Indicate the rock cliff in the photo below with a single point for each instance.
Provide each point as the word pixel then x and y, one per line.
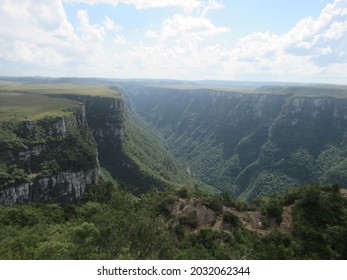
pixel 62 187
pixel 49 159
pixel 127 149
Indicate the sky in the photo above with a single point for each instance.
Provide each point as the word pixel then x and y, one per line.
pixel 243 40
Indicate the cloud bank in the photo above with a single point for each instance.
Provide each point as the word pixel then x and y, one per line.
pixel 37 34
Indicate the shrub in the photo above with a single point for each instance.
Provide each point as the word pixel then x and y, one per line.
pixel 230 218
pixel 189 220
pixel 183 192
pixel 273 210
pixel 179 230
pixel 215 204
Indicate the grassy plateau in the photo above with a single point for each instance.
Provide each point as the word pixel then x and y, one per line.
pixel 22 101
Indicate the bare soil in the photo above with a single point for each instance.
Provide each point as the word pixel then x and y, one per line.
pixel 207 219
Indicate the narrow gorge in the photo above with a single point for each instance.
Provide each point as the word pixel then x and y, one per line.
pixel 252 142
pixel 53 158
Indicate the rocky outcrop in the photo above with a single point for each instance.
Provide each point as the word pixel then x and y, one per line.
pixel 106 119
pixel 105 115
pixel 125 146
pixel 49 159
pixel 63 187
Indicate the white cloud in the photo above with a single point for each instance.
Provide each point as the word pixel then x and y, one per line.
pixel 336 30
pixel 187 5
pixel 90 32
pixel 325 51
pixel 181 47
pixel 189 28
pixel 309 49
pixel 111 25
pixel 120 40
pixel 151 34
pixel 37 32
pixel 212 5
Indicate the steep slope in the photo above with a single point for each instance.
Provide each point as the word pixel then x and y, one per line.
pixel 250 143
pixel 126 148
pixel 45 156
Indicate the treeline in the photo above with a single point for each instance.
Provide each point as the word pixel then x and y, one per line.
pixel 110 223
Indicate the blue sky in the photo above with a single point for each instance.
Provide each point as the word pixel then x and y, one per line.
pixel 254 40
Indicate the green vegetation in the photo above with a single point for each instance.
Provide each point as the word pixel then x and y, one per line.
pixel 146 152
pixel 110 223
pixel 336 91
pixel 11 174
pixel 135 157
pixel 20 106
pixel 65 89
pixel 251 145
pixel 34 101
pixel 38 149
pixel 273 211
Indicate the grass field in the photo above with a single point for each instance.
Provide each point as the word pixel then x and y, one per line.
pixel 202 87
pixel 32 101
pixel 337 91
pixel 88 90
pixel 22 106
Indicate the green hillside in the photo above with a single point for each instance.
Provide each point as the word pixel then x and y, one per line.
pixel 56 89
pixel 127 149
pixel 253 144
pixel 110 223
pixel 21 106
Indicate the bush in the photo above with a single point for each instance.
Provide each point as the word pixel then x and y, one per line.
pixel 102 193
pixel 273 210
pixel 18 217
pixel 227 200
pixel 164 207
pixel 179 230
pixel 215 204
pixel 183 192
pixel 11 174
pixel 189 220
pixel 230 218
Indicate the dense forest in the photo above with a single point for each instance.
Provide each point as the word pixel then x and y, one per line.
pixel 108 222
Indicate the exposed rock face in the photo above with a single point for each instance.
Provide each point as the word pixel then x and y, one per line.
pixel 105 115
pixel 63 187
pixel 55 157
pixel 106 119
pixel 205 217
pixel 126 148
pixel 116 130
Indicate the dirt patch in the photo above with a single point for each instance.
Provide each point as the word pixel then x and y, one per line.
pixel 287 220
pixel 218 224
pixel 252 220
pixel 204 217
pixel 207 219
